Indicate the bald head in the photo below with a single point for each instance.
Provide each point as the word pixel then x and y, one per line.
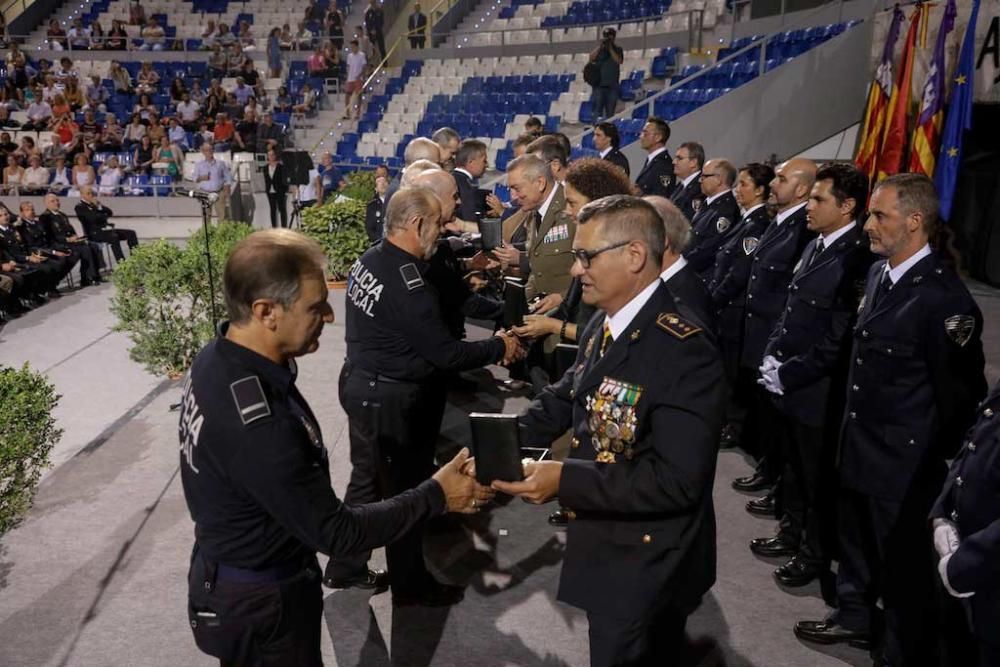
pixel 792 183
pixel 415 169
pixel 442 184
pixel 422 148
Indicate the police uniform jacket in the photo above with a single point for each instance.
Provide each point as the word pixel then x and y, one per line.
pixel 688 198
pixel 468 194
pixel 375 219
pixel 812 339
pixel 657 176
pixel 774 262
pixel 645 418
pixel 34 237
pixel 688 288
pixel 971 499
pixel 548 248
pixel 58 229
pixel 916 377
pixel 93 217
pixel 731 274
pixel 255 471
pixel 11 241
pixel 710 227
pixel 394 323
pixel 617 158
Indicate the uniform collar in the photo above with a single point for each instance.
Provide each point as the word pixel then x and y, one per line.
pixel 896 274
pixel 623 318
pixel 831 238
pixel 276 375
pixel 673 269
pixel 786 214
pixel 387 246
pixel 463 171
pixel 605 152
pixel 709 200
pixel 652 156
pixel 544 208
pixel 687 181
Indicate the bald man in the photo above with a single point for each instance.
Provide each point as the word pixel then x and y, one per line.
pixel 419 148
pixel 774 263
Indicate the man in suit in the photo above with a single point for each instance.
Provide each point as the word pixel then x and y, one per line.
pixel 94 216
pixel 685 285
pixel 276 187
pixel 448 141
pixel 416 27
pixel 916 377
pixel 375 26
pixel 644 401
pixel 657 174
pixel 32 274
pixel 36 240
pixel 607 140
pixel 470 164
pixel 61 235
pixel 688 163
pixel 375 209
pixel 805 369
pixel 715 218
pixel 774 260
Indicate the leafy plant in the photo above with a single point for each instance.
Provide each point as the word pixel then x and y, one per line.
pixel 339 227
pixel 360 186
pixel 163 300
pixel 27 435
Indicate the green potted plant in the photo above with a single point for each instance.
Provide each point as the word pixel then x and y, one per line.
pixel 360 185
pixel 339 227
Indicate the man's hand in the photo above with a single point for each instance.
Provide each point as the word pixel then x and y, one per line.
pixel 536 326
pixel 540 484
pixel 482 262
pixel 508 255
pixel 546 303
pixel 945 537
pixel 461 492
pixel 60 253
pixel 495 205
pixel 9 266
pixel 513 350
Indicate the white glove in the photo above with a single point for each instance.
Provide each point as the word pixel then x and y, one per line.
pixel 769 363
pixel 945 537
pixel 943 571
pixel 769 376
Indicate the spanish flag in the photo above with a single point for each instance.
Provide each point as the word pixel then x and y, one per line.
pixel 894 141
pixel 878 101
pixel 927 133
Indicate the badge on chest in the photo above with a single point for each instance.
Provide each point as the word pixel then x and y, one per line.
pixel 613 420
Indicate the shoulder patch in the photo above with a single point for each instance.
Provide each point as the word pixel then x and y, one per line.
pixel 677 326
pixel 750 244
pixel 250 400
pixel 960 328
pixel 722 224
pixel 411 276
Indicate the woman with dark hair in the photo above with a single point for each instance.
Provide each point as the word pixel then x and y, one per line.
pixel 607 140
pixel 177 89
pixel 144 156
pixel 117 37
pixel 274 53
pixel 335 27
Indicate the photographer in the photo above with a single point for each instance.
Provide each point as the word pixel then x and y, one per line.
pixel 607 58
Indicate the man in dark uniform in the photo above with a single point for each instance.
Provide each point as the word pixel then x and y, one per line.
pixel 805 368
pixel 375 27
pixel 31 280
pixel 774 261
pixel 716 216
pixel 470 164
pixel 416 27
pixel 966 521
pixel 62 236
pixel 657 175
pixel 644 400
pixel 255 471
pixel 94 216
pixel 688 163
pixel 375 209
pixel 916 377
pixel 35 242
pixel 392 389
pixel 607 140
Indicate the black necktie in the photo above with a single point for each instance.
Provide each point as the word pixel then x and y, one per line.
pixel 816 251
pixel 538 221
pixel 883 288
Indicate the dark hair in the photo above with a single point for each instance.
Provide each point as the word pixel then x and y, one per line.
pixel 469 150
pixel 610 130
pixel 627 218
pixel 761 175
pixel 595 178
pixel 549 148
pixel 533 122
pixel 661 126
pixel 523 140
pixel 696 151
pixel 847 182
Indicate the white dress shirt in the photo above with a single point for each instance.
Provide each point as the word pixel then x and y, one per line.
pixel 619 322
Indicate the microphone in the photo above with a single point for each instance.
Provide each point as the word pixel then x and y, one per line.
pixel 210 197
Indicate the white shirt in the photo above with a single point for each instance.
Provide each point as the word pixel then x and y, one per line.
pixel 896 274
pixel 605 152
pixel 751 210
pixel 830 239
pixel 355 65
pixel 672 270
pixel 619 322
pixel 36 176
pixel 709 200
pixel 471 177
pixel 308 191
pixel 691 177
pixel 649 158
pixel 782 216
pixel 544 208
pixel 188 110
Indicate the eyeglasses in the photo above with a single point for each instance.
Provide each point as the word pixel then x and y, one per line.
pixel 586 256
pixel 705 176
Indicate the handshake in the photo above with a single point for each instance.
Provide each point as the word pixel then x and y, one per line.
pixel 514 348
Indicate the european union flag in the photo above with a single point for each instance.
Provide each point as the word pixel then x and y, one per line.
pixel 959 119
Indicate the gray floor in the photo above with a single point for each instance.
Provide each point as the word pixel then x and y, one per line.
pixel 96 574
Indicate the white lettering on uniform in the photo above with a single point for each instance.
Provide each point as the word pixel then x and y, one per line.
pixel 190 424
pixel 363 289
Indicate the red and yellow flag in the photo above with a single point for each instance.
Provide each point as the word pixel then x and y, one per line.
pixel 891 159
pixel 927 133
pixel 878 101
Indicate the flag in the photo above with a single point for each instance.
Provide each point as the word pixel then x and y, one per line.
pixel 959 118
pixel 878 101
pixel 894 140
pixel 927 133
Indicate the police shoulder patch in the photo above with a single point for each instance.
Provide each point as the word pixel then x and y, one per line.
pixel 411 276
pixel 677 326
pixel 750 244
pixel 722 224
pixel 251 403
pixel 960 328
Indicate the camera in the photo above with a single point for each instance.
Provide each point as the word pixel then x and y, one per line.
pixel 608 35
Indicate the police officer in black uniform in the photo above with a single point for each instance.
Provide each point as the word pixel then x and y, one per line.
pixel 391 386
pixel 255 471
pixel 916 378
pixel 657 174
pixel 40 272
pixel 716 216
pixel 688 162
pixel 95 218
pixel 35 239
pixel 61 235
pixel 805 369
pixel 774 261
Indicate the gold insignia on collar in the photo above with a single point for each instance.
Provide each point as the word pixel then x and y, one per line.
pixel 635 335
pixel 677 326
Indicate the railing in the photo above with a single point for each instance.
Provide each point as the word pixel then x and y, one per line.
pixel 251 46
pixel 14 8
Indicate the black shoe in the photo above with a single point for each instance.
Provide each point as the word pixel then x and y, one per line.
pixel 367 580
pixel 728 438
pixel 435 595
pixel 762 507
pixel 54 294
pixel 750 483
pixel 559 517
pixel 797 572
pixel 828 632
pixel 773 546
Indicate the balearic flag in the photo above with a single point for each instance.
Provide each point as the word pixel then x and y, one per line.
pixel 878 101
pixel 894 142
pixel 927 133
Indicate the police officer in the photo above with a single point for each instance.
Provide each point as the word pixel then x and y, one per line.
pixel 966 521
pixel 644 401
pixel 62 236
pixel 805 370
pixel 95 218
pixel 774 260
pixel 391 387
pixel 916 377
pixel 688 162
pixel 44 275
pixel 255 471
pixel 657 174
pixel 35 239
pixel 716 216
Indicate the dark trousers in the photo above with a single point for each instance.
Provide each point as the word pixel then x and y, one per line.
pixel 656 640
pixel 279 206
pixel 89 256
pixel 49 274
pixel 114 237
pixel 64 265
pixel 28 283
pixel 604 99
pixel 378 39
pixel 263 623
pixel 418 42
pixel 393 427
pixel 886 552
pixel 806 488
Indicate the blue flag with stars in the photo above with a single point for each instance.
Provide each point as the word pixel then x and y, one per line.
pixel 959 119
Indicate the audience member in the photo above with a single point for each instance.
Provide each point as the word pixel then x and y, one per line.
pixel 95 219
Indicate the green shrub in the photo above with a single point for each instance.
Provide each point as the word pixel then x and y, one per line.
pixel 339 227
pixel 162 301
pixel 27 434
pixel 360 186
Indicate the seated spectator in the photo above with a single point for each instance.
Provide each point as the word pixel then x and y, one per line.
pixel 250 75
pixel 252 106
pixel 95 96
pixel 11 97
pixel 246 130
pixel 60 108
pixel 208 39
pixel 316 64
pixel 154 38
pixel 147 80
pixel 303 37
pixel 6 121
pixel 308 103
pixel 217 62
pixel 134 132
pixel 36 177
pixel 17 65
pixel 242 92
pixel 121 78
pixel 213 107
pixel 197 92
pixel 111 137
pixel 93 216
pixel 78 36
pixel 97 38
pixel 215 88
pixel 65 71
pixel 62 176
pixel 334 23
pixel 203 136
pixel 232 107
pixel 170 155
pixel 188 112
pixel 224 135
pixel 73 95
pixel 283 101
pixel 136 13
pixel 90 129
pixel 177 135
pixel 39 116
pixel 286 39
pixel 143 156
pixel 117 37
pixel 234 59
pixel 246 37
pixel 54 152
pixel 13 175
pixel 55 36
pixel 331 56
pixel 224 37
pixel 51 88
pixel 111 176
pixel 82 173
pixel 6 145
pixel 177 89
pixel 155 129
pixel 26 150
pixel 270 136
pixel 144 107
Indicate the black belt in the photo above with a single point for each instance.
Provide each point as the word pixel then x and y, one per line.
pixel 377 377
pixel 265 576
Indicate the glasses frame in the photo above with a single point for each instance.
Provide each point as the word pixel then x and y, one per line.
pixel 585 257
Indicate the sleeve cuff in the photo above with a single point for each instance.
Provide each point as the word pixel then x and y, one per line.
pixel 435 497
pixel 943 571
